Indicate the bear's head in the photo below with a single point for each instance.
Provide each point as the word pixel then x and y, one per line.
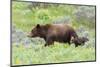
pixel 79 40
pixel 75 40
pixel 38 31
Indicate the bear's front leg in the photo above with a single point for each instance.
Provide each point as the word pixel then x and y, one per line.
pixel 76 45
pixel 49 41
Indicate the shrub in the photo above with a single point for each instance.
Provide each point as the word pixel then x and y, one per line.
pixel 85 15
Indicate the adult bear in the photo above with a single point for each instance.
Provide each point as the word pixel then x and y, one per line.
pixel 53 32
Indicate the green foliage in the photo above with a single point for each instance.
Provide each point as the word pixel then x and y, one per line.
pixel 25 18
pixel 56 53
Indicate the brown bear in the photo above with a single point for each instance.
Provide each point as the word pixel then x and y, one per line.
pixel 79 41
pixel 53 32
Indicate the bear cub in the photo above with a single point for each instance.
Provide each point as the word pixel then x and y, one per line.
pixel 79 41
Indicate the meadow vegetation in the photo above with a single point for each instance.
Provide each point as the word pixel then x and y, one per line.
pixel 26 15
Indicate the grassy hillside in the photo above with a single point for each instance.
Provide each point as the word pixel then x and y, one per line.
pixel 26 15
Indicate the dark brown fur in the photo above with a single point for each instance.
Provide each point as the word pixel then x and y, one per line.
pixel 53 32
pixel 79 41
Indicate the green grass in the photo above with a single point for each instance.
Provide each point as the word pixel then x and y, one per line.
pixel 56 53
pixel 25 19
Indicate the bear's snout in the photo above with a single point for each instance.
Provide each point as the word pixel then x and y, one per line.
pixel 29 34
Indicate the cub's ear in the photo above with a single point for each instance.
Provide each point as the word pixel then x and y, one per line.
pixel 72 38
pixel 38 26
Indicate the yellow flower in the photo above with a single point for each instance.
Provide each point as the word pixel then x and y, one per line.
pixel 17 61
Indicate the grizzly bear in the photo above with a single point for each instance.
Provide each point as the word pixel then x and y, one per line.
pixel 53 32
pixel 79 41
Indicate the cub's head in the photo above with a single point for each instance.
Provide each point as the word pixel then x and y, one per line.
pixel 79 40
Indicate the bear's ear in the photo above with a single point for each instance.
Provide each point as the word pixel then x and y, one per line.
pixel 72 38
pixel 38 26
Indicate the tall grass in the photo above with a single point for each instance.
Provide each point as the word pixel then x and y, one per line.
pixel 56 53
pixel 25 18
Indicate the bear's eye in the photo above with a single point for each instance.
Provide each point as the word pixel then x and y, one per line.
pixel 34 30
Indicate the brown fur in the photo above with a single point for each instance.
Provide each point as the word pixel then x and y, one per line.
pixel 79 41
pixel 53 32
